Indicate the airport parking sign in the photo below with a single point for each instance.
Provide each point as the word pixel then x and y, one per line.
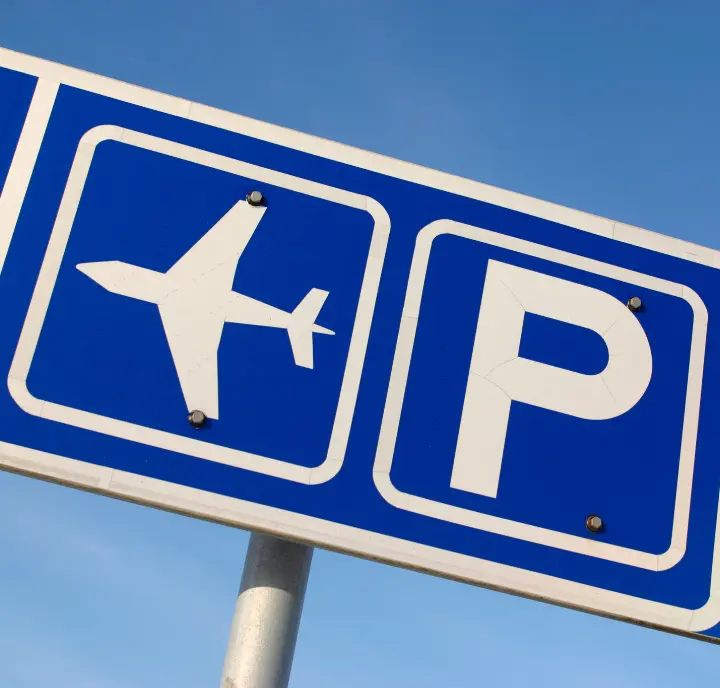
pixel 224 318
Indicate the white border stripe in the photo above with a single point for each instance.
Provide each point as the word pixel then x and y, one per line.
pixel 23 162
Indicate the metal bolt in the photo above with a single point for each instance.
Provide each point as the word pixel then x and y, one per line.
pixel 197 419
pixel 635 304
pixel 594 523
pixel 255 198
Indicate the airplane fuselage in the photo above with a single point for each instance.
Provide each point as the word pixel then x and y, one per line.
pixel 195 299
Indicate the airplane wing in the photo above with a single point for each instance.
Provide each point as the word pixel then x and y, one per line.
pixel 214 258
pixel 194 339
pixel 127 280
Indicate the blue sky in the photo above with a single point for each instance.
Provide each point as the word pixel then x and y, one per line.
pixel 608 107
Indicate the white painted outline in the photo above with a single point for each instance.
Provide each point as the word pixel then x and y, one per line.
pixel 240 513
pixel 40 302
pixel 503 526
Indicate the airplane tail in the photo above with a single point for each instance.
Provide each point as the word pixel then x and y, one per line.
pixel 302 325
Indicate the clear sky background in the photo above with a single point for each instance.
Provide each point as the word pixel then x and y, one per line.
pixel 609 107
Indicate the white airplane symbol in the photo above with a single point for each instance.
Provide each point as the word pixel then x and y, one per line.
pixel 195 300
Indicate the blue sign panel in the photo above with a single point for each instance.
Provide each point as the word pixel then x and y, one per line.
pixel 220 317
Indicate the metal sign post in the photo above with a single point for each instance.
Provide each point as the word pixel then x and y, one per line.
pixel 267 614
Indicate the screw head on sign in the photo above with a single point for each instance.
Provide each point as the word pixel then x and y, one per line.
pixel 594 523
pixel 635 304
pixel 197 419
pixel 255 198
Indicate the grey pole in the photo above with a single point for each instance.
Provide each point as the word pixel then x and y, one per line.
pixel 267 614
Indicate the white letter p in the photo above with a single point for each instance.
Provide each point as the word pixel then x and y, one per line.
pixel 498 375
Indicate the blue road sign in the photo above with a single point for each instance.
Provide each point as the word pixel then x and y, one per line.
pixel 224 318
